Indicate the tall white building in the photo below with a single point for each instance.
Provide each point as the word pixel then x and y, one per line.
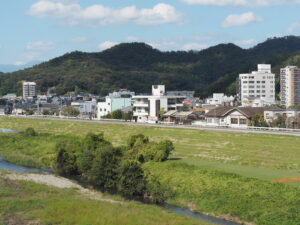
pixel 257 89
pixel 290 86
pixel 29 90
pixel 146 108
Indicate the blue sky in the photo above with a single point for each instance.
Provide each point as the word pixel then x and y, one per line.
pixel 38 30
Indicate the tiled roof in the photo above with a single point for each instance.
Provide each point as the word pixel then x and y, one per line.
pixel 246 111
pixel 170 113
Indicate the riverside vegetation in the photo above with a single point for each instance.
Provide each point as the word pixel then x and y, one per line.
pixel 188 182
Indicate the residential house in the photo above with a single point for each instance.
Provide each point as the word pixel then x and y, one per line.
pixel 232 116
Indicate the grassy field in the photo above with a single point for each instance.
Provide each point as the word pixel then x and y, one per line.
pixel 214 172
pixel 24 203
pixel 268 157
pixel 224 194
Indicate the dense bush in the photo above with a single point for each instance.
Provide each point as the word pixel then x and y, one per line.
pixel 66 163
pixel 114 168
pixel 139 148
pixel 30 132
pixel 131 178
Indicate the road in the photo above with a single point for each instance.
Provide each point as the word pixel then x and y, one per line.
pixel 191 127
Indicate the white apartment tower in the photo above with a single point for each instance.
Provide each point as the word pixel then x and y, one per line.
pixel 146 108
pixel 257 89
pixel 290 86
pixel 29 90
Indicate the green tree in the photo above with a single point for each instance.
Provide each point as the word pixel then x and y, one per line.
pixel 90 144
pixel 131 178
pixel 104 170
pixel 46 112
pixel 66 158
pixel 117 114
pixel 258 121
pixel 279 122
pixel 127 116
pixel 70 111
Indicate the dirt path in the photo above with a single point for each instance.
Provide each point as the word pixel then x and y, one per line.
pixel 60 182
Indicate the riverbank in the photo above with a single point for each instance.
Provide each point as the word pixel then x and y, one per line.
pixel 25 202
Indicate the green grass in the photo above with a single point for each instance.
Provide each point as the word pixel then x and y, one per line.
pixel 222 193
pixel 192 146
pixel 30 203
pixel 196 184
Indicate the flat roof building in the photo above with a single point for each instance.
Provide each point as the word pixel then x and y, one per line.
pixel 290 86
pixel 29 90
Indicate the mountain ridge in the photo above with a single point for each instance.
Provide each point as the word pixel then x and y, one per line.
pixel 137 66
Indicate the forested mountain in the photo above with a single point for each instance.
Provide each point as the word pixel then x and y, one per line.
pixel 137 66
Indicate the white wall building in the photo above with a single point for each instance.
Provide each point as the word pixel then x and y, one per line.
pixel 290 86
pixel 114 101
pixel 29 90
pixel 271 115
pixel 146 108
pixel 220 99
pixel 87 109
pixel 231 116
pixel 257 89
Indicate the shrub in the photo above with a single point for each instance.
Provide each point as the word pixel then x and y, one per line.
pixel 66 158
pixel 104 170
pixel 30 132
pixel 156 192
pixel 70 111
pixel 137 139
pixel 131 178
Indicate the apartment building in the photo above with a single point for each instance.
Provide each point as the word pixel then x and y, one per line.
pixel 257 89
pixel 87 109
pixel 146 108
pixel 290 86
pixel 114 101
pixel 29 90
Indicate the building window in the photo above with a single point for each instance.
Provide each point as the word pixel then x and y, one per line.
pixel 234 121
pixel 243 121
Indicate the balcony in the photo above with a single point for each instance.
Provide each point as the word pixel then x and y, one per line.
pixel 141 104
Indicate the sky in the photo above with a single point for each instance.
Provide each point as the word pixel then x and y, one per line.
pixel 38 30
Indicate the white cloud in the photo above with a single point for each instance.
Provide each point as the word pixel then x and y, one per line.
pixel 242 3
pixel 40 45
pixel 240 19
pixel 35 51
pixel 106 45
pixel 79 40
pixel 19 63
pixel 97 15
pixel 294 28
pixel 132 38
pixel 246 43
pixel 194 46
pixel 164 45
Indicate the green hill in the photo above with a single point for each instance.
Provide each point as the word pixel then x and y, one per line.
pixel 137 66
